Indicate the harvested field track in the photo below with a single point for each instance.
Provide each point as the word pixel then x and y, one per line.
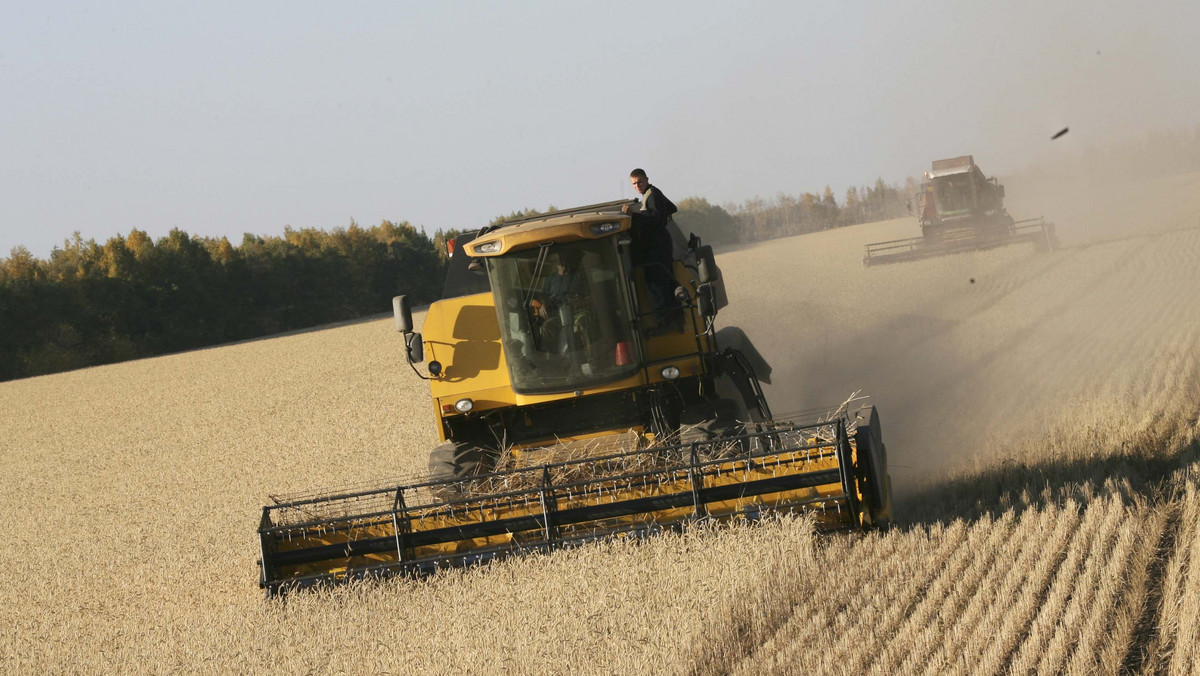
pixel 1041 413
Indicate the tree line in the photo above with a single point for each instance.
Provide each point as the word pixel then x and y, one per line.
pixel 133 297
pixel 759 219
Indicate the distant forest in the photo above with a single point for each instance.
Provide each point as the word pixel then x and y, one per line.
pixel 134 297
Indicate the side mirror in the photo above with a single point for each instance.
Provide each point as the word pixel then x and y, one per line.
pixel 414 348
pixel 706 265
pixel 403 314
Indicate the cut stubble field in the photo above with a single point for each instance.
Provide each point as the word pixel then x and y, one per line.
pixel 1041 413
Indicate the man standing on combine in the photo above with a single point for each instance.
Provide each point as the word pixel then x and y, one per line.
pixel 653 248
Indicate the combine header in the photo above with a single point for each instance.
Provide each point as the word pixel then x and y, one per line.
pixel 825 469
pixel 572 409
pixel 960 210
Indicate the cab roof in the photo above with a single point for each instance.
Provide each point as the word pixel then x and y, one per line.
pixel 951 166
pixel 938 173
pixel 556 226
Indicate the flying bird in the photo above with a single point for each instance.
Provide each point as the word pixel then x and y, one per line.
pixel 1060 133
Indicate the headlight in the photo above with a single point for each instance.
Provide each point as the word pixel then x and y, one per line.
pixel 487 247
pixel 464 405
pixel 670 372
pixel 605 228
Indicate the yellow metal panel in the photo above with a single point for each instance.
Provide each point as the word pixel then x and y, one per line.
pixel 464 336
pixel 561 229
pixel 500 397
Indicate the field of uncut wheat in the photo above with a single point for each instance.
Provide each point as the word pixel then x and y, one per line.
pixel 1041 413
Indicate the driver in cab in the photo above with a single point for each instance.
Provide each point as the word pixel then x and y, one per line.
pixel 560 305
pixel 559 289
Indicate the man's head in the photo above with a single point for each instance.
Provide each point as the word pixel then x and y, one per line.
pixel 639 180
pixel 565 262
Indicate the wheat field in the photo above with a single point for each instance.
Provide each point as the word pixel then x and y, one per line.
pixel 1041 413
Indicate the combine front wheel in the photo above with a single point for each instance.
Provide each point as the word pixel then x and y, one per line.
pixel 458 460
pixel 874 482
pixel 709 423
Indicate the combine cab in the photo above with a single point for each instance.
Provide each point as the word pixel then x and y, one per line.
pixel 570 409
pixel 960 210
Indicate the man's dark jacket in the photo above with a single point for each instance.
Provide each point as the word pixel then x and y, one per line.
pixel 650 226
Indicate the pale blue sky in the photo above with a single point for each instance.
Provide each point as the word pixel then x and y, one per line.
pixel 224 118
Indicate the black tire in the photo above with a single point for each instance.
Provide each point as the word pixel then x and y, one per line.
pixel 872 471
pixel 709 422
pixel 457 460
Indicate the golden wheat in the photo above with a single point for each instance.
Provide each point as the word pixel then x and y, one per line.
pixel 1179 628
pixel 1033 418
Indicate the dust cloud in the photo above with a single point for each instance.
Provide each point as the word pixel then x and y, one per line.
pixel 972 357
pixel 1127 187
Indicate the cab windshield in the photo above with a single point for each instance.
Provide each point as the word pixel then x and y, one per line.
pixel 564 316
pixel 953 193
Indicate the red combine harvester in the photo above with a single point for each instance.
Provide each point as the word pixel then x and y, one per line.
pixel 960 209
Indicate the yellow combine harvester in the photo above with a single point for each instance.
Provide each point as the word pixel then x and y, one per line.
pixel 571 409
